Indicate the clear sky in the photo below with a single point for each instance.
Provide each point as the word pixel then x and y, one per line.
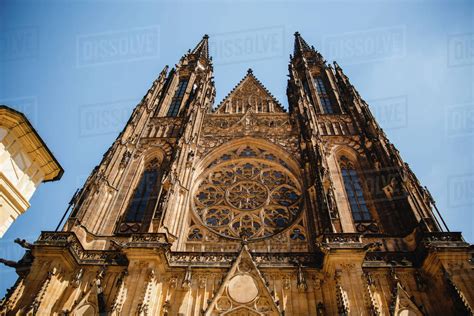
pixel 77 68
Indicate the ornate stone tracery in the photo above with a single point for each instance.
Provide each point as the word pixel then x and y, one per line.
pixel 247 193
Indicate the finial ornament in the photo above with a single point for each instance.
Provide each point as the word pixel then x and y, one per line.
pixel 202 48
pixel 301 46
pixel 250 71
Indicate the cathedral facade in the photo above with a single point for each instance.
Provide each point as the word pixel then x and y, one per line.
pixel 245 208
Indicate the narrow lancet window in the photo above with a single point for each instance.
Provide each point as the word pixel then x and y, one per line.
pixel 355 194
pixel 177 98
pixel 323 96
pixel 145 195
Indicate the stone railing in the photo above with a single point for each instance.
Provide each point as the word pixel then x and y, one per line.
pixel 342 238
pixel 164 127
pixel 148 240
pixel 70 241
pixel 220 259
pixel 376 259
pixel 436 240
pixel 335 125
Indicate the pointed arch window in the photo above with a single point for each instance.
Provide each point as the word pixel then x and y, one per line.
pixel 145 195
pixel 323 95
pixel 355 194
pixel 177 98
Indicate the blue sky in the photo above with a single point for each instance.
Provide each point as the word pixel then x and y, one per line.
pixel 77 69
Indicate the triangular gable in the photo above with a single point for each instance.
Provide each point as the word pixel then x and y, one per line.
pixel 248 94
pixel 87 304
pixel 243 290
pixel 404 304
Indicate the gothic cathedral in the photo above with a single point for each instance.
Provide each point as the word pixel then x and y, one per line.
pixel 246 208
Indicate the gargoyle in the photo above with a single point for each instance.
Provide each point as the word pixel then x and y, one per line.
pixel 23 243
pixel 9 263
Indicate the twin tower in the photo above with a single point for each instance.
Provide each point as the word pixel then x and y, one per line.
pixel 246 208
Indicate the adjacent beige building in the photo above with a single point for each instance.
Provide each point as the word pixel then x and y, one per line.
pixel 246 208
pixel 25 162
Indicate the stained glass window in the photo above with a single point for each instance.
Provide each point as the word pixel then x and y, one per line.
pixel 355 194
pixel 247 198
pixel 323 95
pixel 144 197
pixel 297 234
pixel 177 98
pixel 195 234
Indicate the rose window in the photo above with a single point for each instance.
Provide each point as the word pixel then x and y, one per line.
pixel 246 195
pixel 247 198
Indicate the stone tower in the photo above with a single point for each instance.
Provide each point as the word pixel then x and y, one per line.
pixel 248 209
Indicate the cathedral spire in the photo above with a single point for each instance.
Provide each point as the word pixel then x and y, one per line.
pixel 303 49
pixel 300 45
pixel 202 48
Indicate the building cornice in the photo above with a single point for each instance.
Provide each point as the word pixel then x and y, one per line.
pixel 18 124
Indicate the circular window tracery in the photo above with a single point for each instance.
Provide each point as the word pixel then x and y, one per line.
pixel 247 197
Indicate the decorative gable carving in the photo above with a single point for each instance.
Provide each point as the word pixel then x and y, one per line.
pixel 250 123
pixel 243 291
pixel 404 305
pixel 249 94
